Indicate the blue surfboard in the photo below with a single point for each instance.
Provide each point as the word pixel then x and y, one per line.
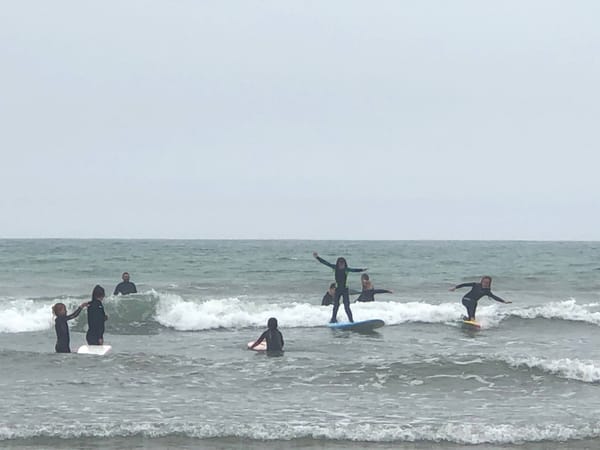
pixel 363 325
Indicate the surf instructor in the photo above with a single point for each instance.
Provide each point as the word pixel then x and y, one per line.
pixel 341 290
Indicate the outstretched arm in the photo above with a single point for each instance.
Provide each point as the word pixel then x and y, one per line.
pixel 76 312
pixel 322 261
pixel 458 286
pixel 498 299
pixel 382 291
pixel 350 269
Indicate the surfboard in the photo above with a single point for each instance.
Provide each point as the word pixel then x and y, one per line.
pixel 262 347
pixel 471 324
pixel 363 325
pixel 94 349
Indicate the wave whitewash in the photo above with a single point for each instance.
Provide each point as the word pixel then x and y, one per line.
pixel 179 375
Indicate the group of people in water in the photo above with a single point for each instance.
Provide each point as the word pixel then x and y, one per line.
pixel 274 338
pixel 95 315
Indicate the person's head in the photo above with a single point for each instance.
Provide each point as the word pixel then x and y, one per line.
pixel 59 309
pixel 364 279
pixel 486 281
pixel 341 263
pixel 331 288
pixel 98 293
pixel 125 276
pixel 272 323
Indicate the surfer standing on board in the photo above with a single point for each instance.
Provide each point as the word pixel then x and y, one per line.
pixel 341 275
pixel 478 290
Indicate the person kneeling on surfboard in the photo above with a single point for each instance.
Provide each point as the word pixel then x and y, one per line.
pixel 368 291
pixel 272 335
pixel 341 276
pixel 61 326
pixel 478 290
pixel 96 318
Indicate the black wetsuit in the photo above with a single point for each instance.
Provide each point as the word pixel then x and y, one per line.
pixel 61 326
pixel 341 290
pixel 472 297
pixel 96 318
pixel 327 299
pixel 274 340
pixel 125 287
pixel 368 295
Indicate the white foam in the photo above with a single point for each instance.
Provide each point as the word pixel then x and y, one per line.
pixel 574 369
pixel 461 433
pixel 25 315
pixel 565 310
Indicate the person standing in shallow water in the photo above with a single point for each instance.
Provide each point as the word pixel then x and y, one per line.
pixel 477 291
pixel 126 286
pixel 341 276
pixel 96 317
pixel 63 340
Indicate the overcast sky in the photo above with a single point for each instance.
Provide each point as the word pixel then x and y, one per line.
pixel 300 119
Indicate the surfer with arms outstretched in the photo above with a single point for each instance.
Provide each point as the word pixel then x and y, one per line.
pixel 478 290
pixel 341 275
pixel 368 290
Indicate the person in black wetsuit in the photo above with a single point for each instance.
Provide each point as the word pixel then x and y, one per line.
pixel 273 336
pixel 368 291
pixel 96 317
pixel 341 276
pixel 126 286
pixel 329 296
pixel 63 340
pixel 478 290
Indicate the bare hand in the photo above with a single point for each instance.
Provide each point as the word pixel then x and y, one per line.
pixel 84 305
pixel 315 255
pixel 100 341
pixel 506 301
pixel 452 289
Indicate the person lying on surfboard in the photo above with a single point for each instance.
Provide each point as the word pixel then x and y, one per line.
pixel 341 276
pixel 368 290
pixel 478 290
pixel 272 335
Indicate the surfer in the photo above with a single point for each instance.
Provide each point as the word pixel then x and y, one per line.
pixel 96 317
pixel 329 295
pixel 272 335
pixel 478 290
pixel 125 287
pixel 61 326
pixel 368 291
pixel 341 276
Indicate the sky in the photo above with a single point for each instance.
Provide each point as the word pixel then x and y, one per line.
pixel 300 120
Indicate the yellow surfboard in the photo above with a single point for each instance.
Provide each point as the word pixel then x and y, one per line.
pixel 471 323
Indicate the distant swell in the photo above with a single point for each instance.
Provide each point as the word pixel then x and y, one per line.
pixel 450 432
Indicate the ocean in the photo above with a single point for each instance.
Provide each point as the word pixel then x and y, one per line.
pixel 179 374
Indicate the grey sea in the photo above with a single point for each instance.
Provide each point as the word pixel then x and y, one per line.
pixel 179 374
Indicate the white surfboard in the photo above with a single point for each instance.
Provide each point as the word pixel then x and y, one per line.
pixel 94 349
pixel 262 347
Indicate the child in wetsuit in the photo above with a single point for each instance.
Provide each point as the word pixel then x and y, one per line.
pixel 368 291
pixel 96 318
pixel 341 276
pixel 477 291
pixel 329 295
pixel 61 326
pixel 272 335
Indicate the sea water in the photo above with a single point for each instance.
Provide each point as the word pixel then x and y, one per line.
pixel 179 375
